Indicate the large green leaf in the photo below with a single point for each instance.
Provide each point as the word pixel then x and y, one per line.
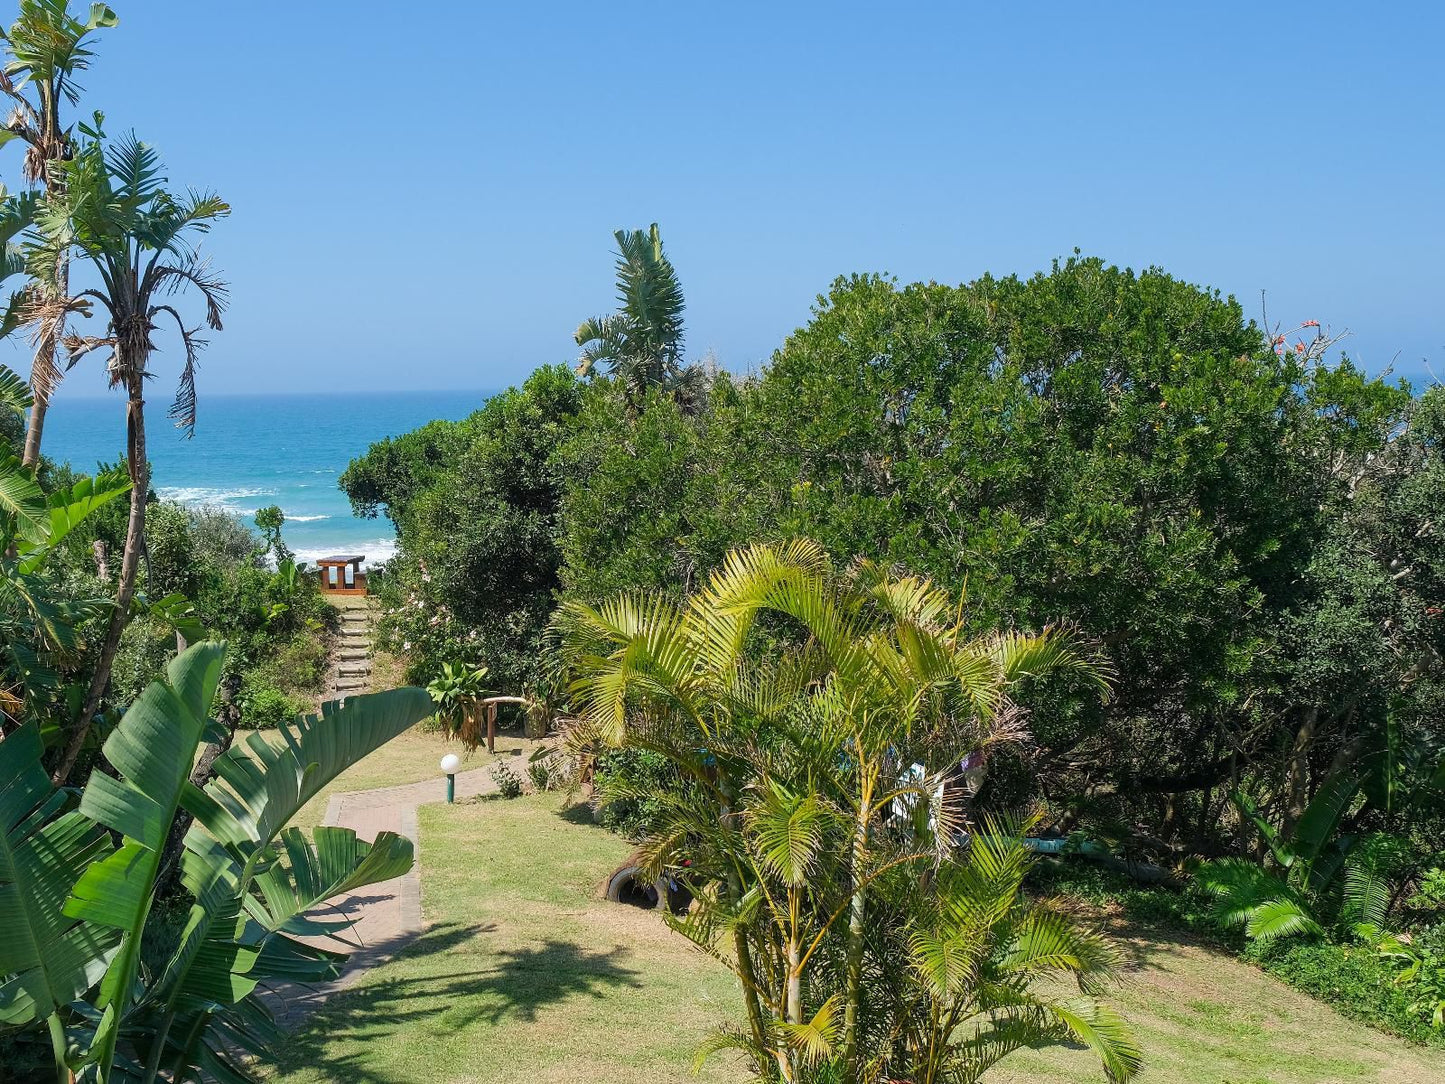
pixel 21 497
pixel 14 392
pixel 66 509
pixel 261 785
pixel 152 749
pixel 47 959
pixel 252 895
pixel 1321 818
pixel 337 862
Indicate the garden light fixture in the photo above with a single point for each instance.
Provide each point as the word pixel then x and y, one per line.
pixel 450 763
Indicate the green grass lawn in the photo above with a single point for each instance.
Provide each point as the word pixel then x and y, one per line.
pixel 1205 1018
pixel 409 758
pixel 526 975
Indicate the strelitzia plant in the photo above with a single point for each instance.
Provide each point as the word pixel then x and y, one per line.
pixel 458 693
pixel 77 904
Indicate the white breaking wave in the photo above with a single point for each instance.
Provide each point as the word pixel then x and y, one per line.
pixel 304 519
pixel 207 495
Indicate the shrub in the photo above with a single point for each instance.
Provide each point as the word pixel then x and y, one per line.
pixel 539 770
pixel 509 784
pixel 1421 960
pixel 264 706
pixel 1354 979
pixel 624 777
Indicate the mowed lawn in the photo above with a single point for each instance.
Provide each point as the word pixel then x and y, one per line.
pixel 527 974
pixel 409 758
pixel 1206 1018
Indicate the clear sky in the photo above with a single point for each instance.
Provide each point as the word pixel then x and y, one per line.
pixel 425 193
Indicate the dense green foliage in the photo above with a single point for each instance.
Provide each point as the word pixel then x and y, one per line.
pixel 1245 527
pixel 792 697
pixel 1243 522
pixel 475 504
pixel 79 882
pixel 215 572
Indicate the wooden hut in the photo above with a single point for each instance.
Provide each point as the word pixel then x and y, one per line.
pixel 342 575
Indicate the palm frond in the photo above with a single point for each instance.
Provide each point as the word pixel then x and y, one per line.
pixel 790 830
pixel 815 1040
pixel 14 392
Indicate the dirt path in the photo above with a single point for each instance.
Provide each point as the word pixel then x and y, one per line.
pixel 386 916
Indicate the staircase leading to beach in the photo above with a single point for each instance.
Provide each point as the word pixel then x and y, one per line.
pixel 351 670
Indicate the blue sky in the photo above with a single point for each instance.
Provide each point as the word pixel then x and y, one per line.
pixel 424 193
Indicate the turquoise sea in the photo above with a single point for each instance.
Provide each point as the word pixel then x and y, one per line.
pixel 251 451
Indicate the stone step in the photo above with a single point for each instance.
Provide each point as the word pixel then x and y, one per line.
pixel 346 690
pixel 354 654
pixel 354 670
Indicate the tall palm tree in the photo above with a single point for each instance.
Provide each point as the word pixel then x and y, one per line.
pixel 116 216
pixel 47 46
pixel 641 343
pixel 817 724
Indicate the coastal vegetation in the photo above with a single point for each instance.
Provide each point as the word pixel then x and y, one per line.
pixel 988 643
pixel 1239 520
pixel 144 905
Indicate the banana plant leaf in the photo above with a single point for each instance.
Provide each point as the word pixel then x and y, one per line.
pixel 152 749
pixel 65 510
pixel 254 882
pixel 47 959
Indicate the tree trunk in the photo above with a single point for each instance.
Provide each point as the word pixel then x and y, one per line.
pixel 130 562
pixel 1297 793
pixel 748 974
pixel 854 951
pixel 33 429
pixel 44 372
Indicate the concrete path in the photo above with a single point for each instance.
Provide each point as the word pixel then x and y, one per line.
pixel 386 916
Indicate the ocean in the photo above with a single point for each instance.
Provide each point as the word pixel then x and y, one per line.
pixel 252 451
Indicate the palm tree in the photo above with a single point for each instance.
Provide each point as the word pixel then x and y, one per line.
pixel 116 216
pixel 641 343
pixel 47 46
pixel 39 625
pixel 816 725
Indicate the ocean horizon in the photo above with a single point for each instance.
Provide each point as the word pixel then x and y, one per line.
pixel 250 451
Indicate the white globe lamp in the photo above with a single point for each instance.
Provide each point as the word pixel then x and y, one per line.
pixel 450 763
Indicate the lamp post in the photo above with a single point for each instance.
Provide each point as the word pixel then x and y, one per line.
pixel 450 763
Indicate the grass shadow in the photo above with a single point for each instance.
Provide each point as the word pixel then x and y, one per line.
pixel 578 813
pixel 512 985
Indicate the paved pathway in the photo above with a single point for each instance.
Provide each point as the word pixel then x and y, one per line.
pixel 385 916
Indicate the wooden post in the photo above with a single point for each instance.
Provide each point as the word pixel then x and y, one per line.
pixel 492 729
